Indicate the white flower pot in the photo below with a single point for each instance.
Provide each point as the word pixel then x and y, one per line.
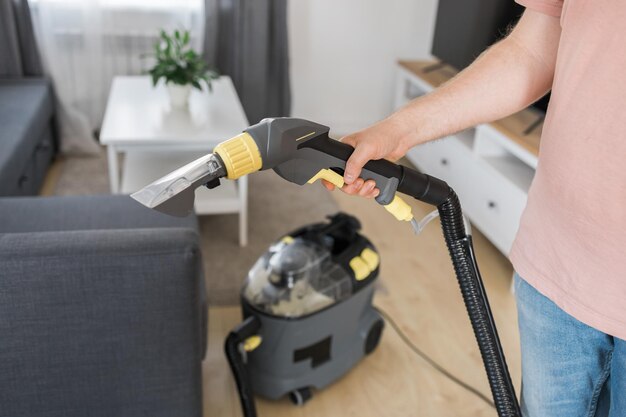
pixel 179 94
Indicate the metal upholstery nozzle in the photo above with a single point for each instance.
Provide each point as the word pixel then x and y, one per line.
pixel 174 193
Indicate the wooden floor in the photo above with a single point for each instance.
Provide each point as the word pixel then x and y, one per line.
pixel 52 177
pixel 418 289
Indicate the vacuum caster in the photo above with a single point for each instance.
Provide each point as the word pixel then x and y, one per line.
pixel 300 396
pixel 373 336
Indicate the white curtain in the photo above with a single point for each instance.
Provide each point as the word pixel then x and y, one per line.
pixel 85 43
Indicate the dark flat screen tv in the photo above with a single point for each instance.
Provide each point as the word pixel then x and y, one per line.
pixel 464 29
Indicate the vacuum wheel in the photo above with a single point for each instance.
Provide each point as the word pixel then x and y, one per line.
pixel 373 336
pixel 300 396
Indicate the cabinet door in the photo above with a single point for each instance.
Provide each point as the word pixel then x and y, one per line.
pixel 450 161
pixel 422 156
pixel 495 206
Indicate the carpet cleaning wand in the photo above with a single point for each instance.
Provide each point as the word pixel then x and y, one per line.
pixel 301 152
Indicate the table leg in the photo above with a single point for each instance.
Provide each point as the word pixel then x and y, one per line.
pixel 114 173
pixel 243 210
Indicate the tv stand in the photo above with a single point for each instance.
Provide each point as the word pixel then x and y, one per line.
pixel 434 67
pixel 491 166
pixel 534 125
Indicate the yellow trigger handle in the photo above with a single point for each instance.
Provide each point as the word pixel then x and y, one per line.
pixel 398 207
pixel 328 175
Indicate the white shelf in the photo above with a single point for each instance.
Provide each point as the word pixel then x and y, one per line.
pixel 466 138
pixel 499 139
pixel 141 168
pixel 516 172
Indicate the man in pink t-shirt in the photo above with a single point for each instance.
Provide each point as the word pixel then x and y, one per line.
pixel 570 245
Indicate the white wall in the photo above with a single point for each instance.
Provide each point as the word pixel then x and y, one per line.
pixel 343 55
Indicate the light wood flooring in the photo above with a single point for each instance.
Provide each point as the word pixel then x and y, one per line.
pixel 418 289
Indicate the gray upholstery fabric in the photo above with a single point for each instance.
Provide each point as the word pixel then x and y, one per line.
pixel 26 111
pixel 100 323
pixel 40 214
pixel 248 40
pixel 19 56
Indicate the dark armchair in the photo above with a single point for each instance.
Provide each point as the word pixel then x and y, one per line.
pixel 102 310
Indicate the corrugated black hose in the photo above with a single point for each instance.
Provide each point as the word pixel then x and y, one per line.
pixel 232 345
pixel 462 253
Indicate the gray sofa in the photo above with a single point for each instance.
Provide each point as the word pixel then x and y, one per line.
pixel 27 136
pixel 102 309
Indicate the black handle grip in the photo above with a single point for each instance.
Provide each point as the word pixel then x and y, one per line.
pixel 411 182
pixel 344 151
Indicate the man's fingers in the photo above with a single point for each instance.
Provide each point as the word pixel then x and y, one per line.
pixel 357 160
pixel 350 140
pixel 367 188
pixel 353 188
pixel 329 186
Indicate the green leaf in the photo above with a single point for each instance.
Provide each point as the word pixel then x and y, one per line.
pixel 178 62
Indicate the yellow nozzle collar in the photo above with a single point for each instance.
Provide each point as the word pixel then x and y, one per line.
pixel 240 154
pixel 400 209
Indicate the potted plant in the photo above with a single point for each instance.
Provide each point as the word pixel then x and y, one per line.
pixel 180 66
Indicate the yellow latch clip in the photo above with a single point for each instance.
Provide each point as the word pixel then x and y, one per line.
pixel 252 343
pixel 400 209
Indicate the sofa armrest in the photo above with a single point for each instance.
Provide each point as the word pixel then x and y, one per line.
pixel 101 323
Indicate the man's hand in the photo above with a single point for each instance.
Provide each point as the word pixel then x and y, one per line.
pixel 387 139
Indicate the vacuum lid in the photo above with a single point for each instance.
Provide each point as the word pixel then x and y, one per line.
pixel 296 277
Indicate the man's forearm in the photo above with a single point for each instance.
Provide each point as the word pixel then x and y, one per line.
pixel 505 79
pixel 508 77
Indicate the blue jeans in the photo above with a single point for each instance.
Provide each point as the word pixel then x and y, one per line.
pixel 568 368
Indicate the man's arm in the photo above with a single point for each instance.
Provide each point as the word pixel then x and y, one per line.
pixel 506 78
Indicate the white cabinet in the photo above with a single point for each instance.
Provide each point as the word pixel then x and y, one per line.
pixel 489 170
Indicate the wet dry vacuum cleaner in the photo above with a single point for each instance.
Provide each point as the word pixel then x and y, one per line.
pixel 302 152
pixel 308 314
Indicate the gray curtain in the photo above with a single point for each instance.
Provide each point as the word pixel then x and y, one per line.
pixel 248 40
pixel 19 56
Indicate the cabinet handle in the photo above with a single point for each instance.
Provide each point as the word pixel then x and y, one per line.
pixel 444 161
pixel 491 204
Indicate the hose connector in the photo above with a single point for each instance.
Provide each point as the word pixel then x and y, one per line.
pixel 240 155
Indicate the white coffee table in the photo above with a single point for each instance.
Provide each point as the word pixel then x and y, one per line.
pixel 156 139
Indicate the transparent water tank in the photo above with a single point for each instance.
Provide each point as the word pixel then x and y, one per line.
pixel 295 278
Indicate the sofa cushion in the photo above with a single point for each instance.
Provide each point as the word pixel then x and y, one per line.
pixel 43 214
pixel 26 109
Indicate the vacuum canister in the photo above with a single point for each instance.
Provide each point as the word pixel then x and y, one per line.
pixel 310 300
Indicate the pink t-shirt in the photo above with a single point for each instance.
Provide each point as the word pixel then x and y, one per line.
pixel 571 244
